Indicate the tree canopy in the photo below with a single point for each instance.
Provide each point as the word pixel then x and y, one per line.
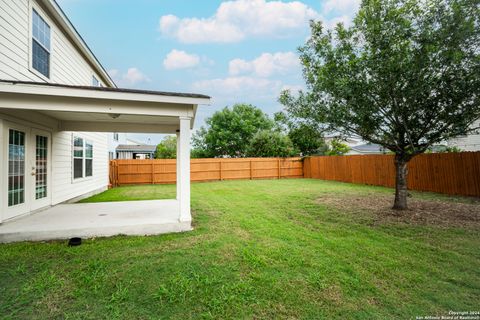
pixel 306 137
pixel 229 131
pixel 269 143
pixel 167 148
pixel 405 76
pixel 336 148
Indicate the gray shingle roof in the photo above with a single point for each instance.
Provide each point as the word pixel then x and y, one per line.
pixel 369 147
pixel 136 148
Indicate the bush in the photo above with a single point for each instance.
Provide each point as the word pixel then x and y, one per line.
pixel 167 149
pixel 337 148
pixel 267 143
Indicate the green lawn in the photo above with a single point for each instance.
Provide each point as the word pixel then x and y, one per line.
pixel 260 249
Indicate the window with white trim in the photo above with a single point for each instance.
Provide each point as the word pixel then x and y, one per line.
pixel 40 44
pixel 95 82
pixel 88 159
pixel 82 158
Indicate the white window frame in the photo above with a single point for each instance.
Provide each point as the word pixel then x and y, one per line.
pixel 94 78
pixel 84 158
pixel 30 39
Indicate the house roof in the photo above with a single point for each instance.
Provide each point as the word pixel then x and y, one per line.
pixel 368 148
pixel 107 89
pixel 136 148
pixel 64 22
pixel 84 108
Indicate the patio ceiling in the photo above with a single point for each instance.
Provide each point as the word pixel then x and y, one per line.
pixel 78 108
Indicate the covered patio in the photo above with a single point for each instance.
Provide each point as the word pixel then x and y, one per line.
pixel 89 220
pixel 98 109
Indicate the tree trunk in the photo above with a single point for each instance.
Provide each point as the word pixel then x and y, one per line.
pixel 401 190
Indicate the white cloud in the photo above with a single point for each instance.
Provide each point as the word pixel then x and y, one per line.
pixel 236 85
pixel 266 65
pixel 234 20
pixel 177 59
pixel 339 11
pixel 113 73
pixel 132 77
pixel 341 6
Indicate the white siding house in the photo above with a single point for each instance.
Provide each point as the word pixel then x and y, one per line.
pixel 54 98
pixel 24 24
pixel 469 142
pixel 114 140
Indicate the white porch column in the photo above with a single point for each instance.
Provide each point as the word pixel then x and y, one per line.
pixel 3 168
pixel 184 169
pixel 178 166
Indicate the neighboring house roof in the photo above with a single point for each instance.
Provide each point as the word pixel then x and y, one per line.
pixel 136 148
pixel 368 148
pixel 56 11
pixel 350 141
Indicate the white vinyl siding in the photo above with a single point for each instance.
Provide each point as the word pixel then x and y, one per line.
pixel 470 142
pixel 67 64
pixel 66 188
pixel 63 186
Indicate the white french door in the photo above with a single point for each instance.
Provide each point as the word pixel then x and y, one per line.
pixel 40 168
pixel 28 170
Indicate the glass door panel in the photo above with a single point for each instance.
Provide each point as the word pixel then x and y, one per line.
pixel 41 166
pixel 16 167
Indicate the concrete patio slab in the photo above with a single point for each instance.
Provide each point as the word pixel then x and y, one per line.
pixel 88 220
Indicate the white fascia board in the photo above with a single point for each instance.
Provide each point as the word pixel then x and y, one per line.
pixel 67 104
pixel 46 90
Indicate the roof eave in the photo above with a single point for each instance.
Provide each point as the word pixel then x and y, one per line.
pixel 94 93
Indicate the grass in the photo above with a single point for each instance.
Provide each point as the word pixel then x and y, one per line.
pixel 260 249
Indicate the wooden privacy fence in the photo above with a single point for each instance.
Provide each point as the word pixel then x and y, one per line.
pixel 450 173
pixel 162 171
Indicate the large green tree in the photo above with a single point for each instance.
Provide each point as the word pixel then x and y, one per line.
pixel 270 143
pixel 167 148
pixel 306 137
pixel 229 131
pixel 405 75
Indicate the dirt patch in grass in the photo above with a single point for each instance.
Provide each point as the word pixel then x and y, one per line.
pixel 420 211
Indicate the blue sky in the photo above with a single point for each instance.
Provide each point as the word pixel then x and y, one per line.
pixel 234 51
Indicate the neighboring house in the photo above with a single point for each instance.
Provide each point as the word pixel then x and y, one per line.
pixel 57 107
pixel 469 142
pixel 349 141
pixel 135 151
pixel 114 140
pixel 368 148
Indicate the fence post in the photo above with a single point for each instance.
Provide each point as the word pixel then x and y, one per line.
pixel 115 174
pixel 153 172
pixel 279 172
pixel 221 178
pixel 251 170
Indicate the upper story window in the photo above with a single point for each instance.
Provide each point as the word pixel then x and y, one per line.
pixel 95 82
pixel 115 136
pixel 40 44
